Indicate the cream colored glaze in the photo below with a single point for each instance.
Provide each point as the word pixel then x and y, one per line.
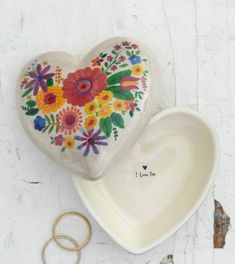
pixel 139 212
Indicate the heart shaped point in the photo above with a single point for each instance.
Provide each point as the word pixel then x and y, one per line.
pixel 86 114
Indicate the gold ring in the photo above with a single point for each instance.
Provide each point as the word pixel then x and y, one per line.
pixel 60 237
pixel 81 245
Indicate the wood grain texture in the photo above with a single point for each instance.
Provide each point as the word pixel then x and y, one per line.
pixel 194 42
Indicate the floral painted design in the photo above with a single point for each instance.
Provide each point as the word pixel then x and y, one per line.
pixel 83 110
pixel 69 120
pixel 50 101
pixel 38 78
pixel 90 140
pixel 84 85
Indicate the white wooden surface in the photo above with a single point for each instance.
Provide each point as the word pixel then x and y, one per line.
pixel 194 41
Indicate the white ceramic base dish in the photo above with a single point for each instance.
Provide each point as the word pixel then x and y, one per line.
pixel 181 148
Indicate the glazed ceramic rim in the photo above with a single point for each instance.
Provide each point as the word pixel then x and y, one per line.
pixel 195 206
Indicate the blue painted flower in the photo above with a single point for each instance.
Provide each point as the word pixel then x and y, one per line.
pixel 39 123
pixel 134 59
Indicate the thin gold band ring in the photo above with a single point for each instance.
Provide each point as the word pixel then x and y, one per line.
pixel 60 237
pixel 80 245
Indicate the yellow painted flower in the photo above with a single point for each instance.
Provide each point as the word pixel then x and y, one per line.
pixel 137 69
pixel 105 97
pixel 105 111
pixel 90 107
pixel 51 100
pixel 118 105
pixel 69 142
pixel 90 122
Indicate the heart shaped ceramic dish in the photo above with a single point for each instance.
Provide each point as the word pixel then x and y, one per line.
pixel 85 114
pixel 159 184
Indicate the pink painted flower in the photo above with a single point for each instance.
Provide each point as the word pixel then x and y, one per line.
pixel 109 58
pixel 135 46
pixel 113 68
pixel 117 47
pixel 59 140
pixel 126 43
pixel 143 82
pixel 122 58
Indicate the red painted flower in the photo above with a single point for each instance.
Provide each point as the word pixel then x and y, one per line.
pixel 84 85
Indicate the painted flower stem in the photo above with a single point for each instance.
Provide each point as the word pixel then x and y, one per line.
pixel 114 60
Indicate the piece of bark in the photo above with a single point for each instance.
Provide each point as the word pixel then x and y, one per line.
pixel 167 260
pixel 221 225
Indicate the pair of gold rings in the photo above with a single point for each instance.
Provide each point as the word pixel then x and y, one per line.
pixel 57 238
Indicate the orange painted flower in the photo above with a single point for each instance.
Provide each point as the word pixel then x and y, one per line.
pixel 118 105
pixel 69 120
pixel 105 97
pixel 90 122
pixel 51 100
pixel 90 108
pixel 105 111
pixel 84 85
pixel 97 61
pixel 130 105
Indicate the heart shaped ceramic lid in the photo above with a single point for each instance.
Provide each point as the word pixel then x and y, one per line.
pixel 87 114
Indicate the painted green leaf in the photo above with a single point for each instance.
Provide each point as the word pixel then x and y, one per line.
pixel 49 82
pixel 123 95
pixel 120 94
pixel 47 119
pixel 103 55
pixel 106 64
pixel 106 125
pixel 57 129
pixel 52 118
pixel 123 65
pixel 114 52
pixel 131 113
pixel 115 78
pixel 114 88
pixel 27 92
pixel 51 129
pixel 45 129
pixel 117 120
pixel 31 103
pixel 32 111
pixel 63 149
